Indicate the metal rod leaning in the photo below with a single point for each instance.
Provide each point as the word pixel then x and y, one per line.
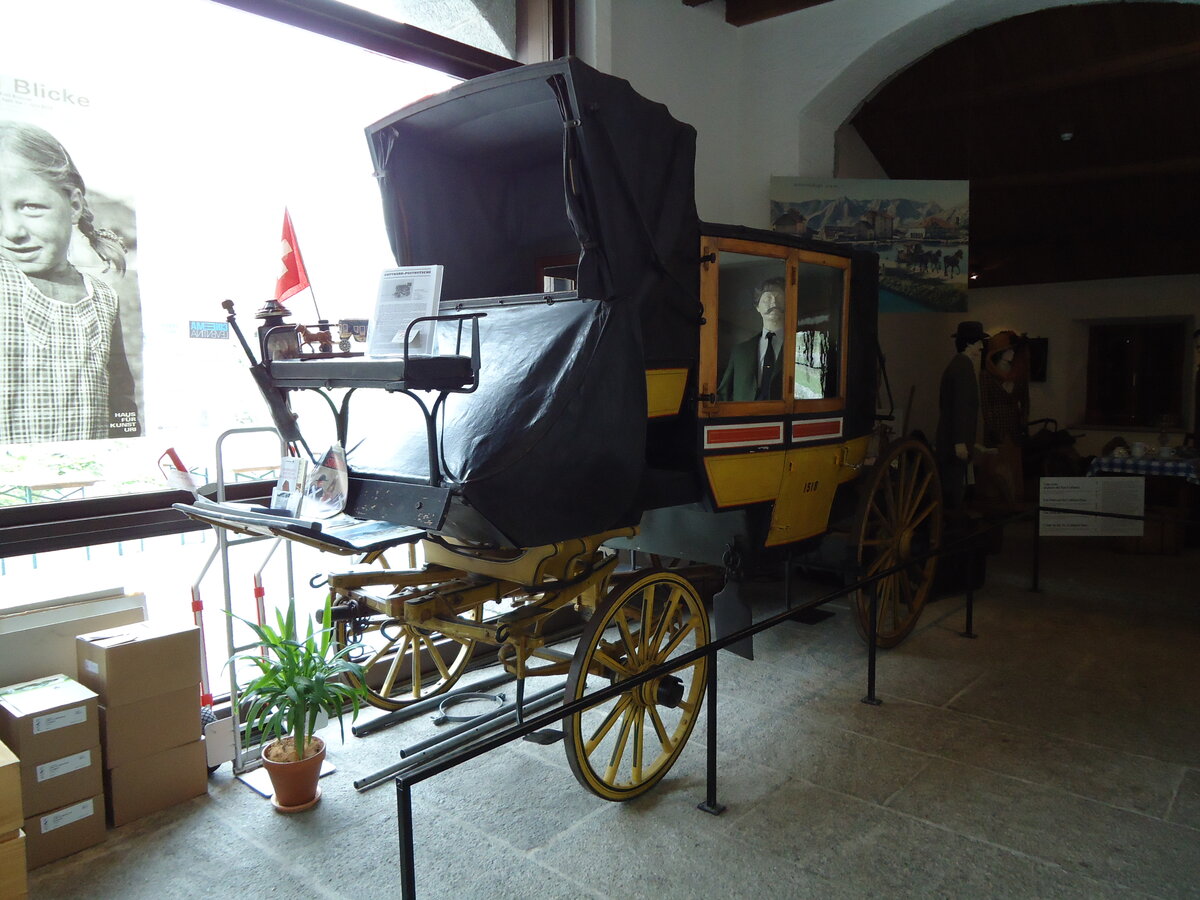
pixel 387 720
pixel 459 734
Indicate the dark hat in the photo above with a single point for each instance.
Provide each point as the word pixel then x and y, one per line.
pixel 970 332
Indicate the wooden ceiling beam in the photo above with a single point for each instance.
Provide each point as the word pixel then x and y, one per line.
pixel 746 12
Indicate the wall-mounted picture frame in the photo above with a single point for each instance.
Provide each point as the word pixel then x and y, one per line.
pixel 920 229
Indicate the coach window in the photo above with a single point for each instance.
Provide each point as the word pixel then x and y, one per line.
pixel 820 309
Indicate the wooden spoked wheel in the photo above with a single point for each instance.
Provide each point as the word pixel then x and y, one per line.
pixel 899 521
pixel 403 663
pixel 622 747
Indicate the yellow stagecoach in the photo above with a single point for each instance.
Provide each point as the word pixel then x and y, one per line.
pixel 589 393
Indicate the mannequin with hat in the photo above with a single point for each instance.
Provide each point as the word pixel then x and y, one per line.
pixel 958 411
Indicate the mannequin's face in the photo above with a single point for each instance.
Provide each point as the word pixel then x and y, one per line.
pixel 770 307
pixel 974 352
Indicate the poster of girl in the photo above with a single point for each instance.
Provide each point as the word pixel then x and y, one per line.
pixel 62 357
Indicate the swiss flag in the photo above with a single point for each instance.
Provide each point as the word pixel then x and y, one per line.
pixel 293 277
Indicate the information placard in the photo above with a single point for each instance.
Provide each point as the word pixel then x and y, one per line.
pixel 404 295
pixel 1126 496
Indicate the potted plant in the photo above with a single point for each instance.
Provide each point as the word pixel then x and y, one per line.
pixel 297 680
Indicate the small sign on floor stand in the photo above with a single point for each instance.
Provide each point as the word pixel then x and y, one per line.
pixel 1115 496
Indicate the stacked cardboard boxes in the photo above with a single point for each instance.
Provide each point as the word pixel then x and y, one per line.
pixel 147 676
pixel 50 724
pixel 13 882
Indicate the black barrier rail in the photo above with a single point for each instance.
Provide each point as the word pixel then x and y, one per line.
pixel 405 781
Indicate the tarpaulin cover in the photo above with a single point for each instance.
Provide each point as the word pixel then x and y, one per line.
pixel 494 180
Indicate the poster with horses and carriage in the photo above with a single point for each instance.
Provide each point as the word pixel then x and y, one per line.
pixel 920 229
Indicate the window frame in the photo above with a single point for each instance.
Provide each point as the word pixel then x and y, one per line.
pixel 1097 416
pixel 712 247
pixel 545 29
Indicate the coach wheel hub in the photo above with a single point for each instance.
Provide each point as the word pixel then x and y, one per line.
pixel 666 691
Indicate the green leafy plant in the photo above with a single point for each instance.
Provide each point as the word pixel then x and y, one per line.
pixel 298 679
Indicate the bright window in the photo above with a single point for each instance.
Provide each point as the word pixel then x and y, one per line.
pixel 193 126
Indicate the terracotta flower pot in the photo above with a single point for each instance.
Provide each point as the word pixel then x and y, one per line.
pixel 295 783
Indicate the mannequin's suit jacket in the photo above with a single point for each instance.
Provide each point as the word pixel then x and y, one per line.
pixel 740 380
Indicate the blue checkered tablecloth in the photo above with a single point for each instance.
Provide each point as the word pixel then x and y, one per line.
pixel 1180 468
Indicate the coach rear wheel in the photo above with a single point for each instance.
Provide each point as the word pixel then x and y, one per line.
pixel 404 664
pixel 622 747
pixel 899 521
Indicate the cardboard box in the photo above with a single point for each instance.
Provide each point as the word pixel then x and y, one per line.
pixel 135 730
pixel 13 880
pixel 156 782
pixel 133 662
pixel 38 639
pixel 47 719
pixel 61 832
pixel 11 817
pixel 49 785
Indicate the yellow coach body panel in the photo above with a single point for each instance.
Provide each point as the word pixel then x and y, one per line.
pixel 664 391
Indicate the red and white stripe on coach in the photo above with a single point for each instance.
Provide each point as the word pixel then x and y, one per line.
pixel 756 434
pixel 816 429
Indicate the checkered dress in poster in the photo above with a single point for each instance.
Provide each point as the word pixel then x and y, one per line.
pixel 70 344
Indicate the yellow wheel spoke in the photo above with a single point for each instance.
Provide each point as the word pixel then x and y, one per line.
pixel 601 657
pixel 603 728
pixel 882 561
pixel 639 731
pixel 394 669
pixel 663 738
pixel 631 645
pixel 676 641
pixel 614 761
pixel 923 514
pixel 915 497
pixel 664 623
pixel 415 653
pixel 647 620
pixel 437 658
pixel 885 488
pixel 382 652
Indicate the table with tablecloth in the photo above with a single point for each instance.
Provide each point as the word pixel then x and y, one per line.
pixel 1163 536
pixel 1147 465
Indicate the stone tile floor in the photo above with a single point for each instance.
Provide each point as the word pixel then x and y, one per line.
pixel 1057 755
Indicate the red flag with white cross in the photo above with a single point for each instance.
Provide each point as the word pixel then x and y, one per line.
pixel 293 277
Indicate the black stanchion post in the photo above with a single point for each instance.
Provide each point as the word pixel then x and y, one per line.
pixel 1037 552
pixel 872 636
pixel 969 631
pixel 408 862
pixel 710 804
